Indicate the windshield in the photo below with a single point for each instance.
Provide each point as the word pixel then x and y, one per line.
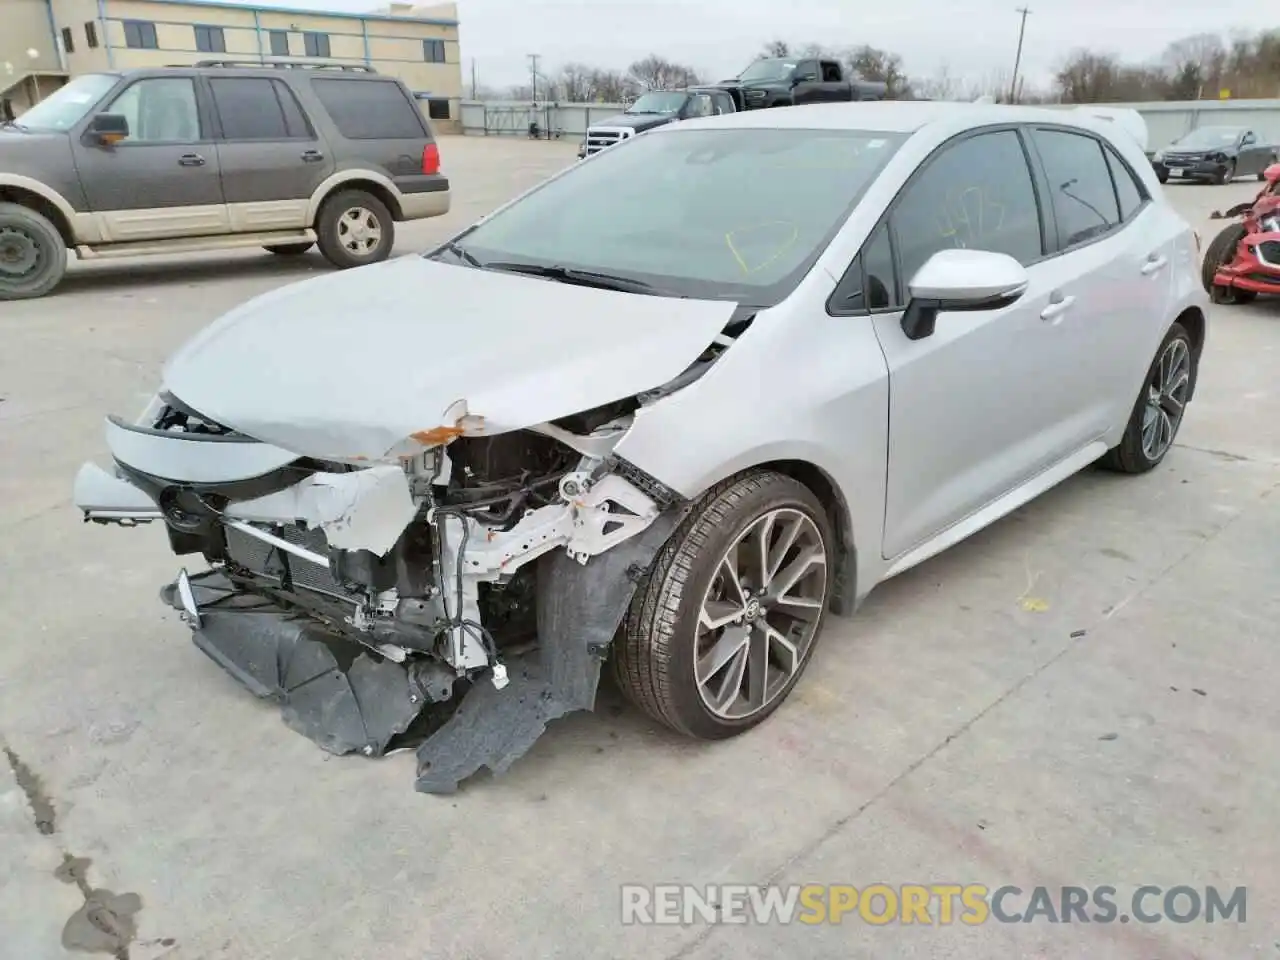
pixel 768 70
pixel 664 102
pixel 738 214
pixel 66 107
pixel 1210 137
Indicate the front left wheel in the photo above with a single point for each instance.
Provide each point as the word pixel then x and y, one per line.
pixel 727 618
pixel 33 255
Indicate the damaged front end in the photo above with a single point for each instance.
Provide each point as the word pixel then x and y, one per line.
pixel 466 593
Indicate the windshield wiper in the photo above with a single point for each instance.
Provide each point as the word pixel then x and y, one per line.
pixel 465 256
pixel 583 278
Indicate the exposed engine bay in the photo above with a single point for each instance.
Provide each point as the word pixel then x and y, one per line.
pixel 456 600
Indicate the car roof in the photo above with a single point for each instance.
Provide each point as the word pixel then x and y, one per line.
pixel 891 116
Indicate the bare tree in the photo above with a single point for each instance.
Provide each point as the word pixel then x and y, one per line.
pixel 575 83
pixel 871 63
pixel 658 73
pixel 775 48
pixel 941 86
pixel 613 86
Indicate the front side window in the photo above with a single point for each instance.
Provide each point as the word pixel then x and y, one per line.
pixel 871 282
pixel 976 194
pixel 1080 187
pixel 159 110
pixel 723 102
pixel 737 214
pixel 140 34
pixel 68 105
pixel 699 106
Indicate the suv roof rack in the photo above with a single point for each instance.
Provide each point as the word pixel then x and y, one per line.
pixel 289 64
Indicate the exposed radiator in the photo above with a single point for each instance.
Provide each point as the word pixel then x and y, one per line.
pixel 265 560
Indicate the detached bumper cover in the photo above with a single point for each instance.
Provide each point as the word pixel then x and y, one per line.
pixel 1255 267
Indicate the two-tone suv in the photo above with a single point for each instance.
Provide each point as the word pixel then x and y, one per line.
pixel 214 156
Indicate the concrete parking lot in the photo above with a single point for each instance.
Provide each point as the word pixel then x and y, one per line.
pixel 1083 694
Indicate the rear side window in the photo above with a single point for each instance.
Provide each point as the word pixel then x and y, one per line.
pixel 369 109
pixel 1128 191
pixel 257 109
pixel 975 194
pixel 1080 186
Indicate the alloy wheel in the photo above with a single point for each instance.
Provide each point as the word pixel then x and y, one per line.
pixel 359 231
pixel 760 613
pixel 1166 399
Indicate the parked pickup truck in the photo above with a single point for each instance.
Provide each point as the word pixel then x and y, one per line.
pixel 789 81
pixel 655 109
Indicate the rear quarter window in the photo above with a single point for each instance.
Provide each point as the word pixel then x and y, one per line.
pixel 370 109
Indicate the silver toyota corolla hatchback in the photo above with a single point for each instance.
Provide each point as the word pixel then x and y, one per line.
pixel 667 411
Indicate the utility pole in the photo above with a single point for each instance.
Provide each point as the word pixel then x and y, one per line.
pixel 1017 59
pixel 473 78
pixel 533 74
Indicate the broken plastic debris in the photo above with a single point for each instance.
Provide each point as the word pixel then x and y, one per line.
pixel 499 676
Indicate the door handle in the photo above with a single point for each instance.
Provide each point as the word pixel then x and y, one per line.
pixel 1058 305
pixel 312 156
pixel 191 160
pixel 1155 263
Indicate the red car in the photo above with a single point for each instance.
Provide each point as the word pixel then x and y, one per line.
pixel 1244 259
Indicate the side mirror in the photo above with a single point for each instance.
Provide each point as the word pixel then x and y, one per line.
pixel 109 129
pixel 800 78
pixel 1249 138
pixel 961 280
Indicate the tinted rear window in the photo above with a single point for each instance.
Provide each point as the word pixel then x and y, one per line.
pixel 370 109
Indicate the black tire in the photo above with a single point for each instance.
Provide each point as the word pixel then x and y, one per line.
pixel 654 656
pixel 1163 176
pixel 1128 456
pixel 290 249
pixel 1221 250
pixel 33 255
pixel 329 224
pixel 1228 173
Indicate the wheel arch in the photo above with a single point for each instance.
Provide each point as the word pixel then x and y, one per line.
pixel 828 492
pixel 1192 320
pixel 367 180
pixel 33 195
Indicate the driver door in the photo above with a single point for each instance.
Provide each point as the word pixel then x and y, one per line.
pixel 969 418
pixel 1254 157
pixel 806 85
pixel 164 180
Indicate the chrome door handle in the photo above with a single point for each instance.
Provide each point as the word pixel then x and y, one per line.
pixel 312 156
pixel 1057 308
pixel 191 160
pixel 1154 265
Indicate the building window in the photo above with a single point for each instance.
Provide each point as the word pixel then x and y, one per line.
pixel 438 108
pixel 140 35
pixel 316 44
pixel 279 43
pixel 210 40
pixel 433 51
pixel 68 40
pixel 91 34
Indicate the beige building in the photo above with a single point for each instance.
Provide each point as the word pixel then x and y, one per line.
pixel 42 42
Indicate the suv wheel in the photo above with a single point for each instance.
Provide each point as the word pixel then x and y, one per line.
pixel 33 256
pixel 355 228
pixel 728 616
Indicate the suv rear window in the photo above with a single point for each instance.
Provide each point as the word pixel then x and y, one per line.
pixel 370 109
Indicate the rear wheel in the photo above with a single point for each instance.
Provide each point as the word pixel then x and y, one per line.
pixel 725 622
pixel 33 255
pixel 1221 251
pixel 355 228
pixel 290 249
pixel 1153 424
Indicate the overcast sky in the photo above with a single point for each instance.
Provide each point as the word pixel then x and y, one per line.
pixel 974 38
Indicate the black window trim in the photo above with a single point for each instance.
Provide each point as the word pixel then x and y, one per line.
pixel 219 132
pixel 1039 185
pixel 1059 246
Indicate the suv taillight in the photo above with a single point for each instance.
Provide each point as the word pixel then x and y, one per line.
pixel 431 159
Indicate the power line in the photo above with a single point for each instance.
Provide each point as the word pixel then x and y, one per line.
pixel 1017 60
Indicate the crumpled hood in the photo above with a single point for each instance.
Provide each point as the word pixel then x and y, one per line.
pixel 351 364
